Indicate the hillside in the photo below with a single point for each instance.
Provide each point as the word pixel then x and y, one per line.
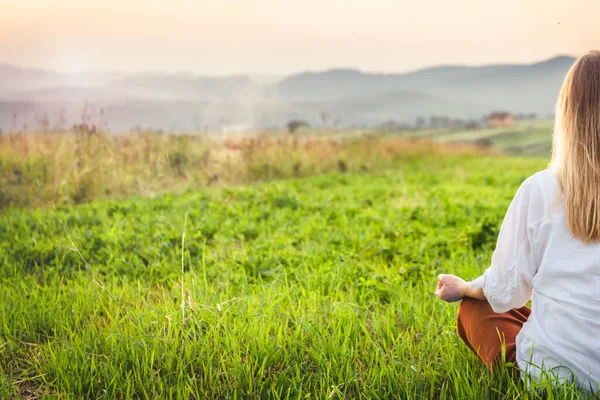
pixel 187 102
pixel 16 79
pixel 527 138
pixel 517 88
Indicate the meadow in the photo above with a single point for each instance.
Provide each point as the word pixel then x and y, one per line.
pixel 319 286
pixel 46 169
pixel 530 138
pixel 73 167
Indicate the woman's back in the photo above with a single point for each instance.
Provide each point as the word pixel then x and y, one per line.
pixel 564 327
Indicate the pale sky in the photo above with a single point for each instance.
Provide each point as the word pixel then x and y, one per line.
pixel 217 37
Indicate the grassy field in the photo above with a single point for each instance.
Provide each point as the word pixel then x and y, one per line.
pixel 315 282
pixel 525 138
pixel 46 169
pixel 315 287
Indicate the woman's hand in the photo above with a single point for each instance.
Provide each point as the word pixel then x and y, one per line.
pixel 451 288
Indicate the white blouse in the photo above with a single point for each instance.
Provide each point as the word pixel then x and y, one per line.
pixel 537 256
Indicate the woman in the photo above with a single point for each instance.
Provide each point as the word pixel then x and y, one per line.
pixel 548 248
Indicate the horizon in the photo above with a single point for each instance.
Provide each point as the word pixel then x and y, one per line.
pixel 267 75
pixel 281 37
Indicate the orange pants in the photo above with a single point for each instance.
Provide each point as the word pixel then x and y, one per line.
pixel 486 332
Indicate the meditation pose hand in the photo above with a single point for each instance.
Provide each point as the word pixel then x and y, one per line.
pixel 451 288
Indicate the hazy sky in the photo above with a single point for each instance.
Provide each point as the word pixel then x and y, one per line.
pixel 283 36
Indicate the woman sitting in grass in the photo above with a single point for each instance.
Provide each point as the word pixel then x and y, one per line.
pixel 548 250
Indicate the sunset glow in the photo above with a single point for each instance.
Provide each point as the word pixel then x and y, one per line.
pixel 283 36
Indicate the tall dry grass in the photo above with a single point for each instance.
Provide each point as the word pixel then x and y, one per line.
pixel 67 168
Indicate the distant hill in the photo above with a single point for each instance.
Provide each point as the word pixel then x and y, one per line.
pixel 15 79
pixel 403 106
pixel 184 87
pixel 516 88
pixel 184 101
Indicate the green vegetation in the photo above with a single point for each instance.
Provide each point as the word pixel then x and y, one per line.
pixel 307 288
pixel 527 138
pixel 76 167
pixel 314 287
pixel 70 168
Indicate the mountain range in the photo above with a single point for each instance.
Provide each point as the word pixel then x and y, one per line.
pixel 119 101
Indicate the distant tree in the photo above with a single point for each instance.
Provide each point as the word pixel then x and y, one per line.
pixel 473 125
pixel 393 125
pixel 457 123
pixel 295 124
pixel 420 123
pixel 436 122
pixel 433 121
pixel 525 117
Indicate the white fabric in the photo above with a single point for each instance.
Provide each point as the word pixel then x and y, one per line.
pixel 537 256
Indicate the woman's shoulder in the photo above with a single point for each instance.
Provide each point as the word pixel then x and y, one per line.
pixel 539 188
pixel 544 181
pixel 546 177
pixel 542 189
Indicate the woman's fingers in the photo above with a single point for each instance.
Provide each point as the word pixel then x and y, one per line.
pixel 439 287
pixel 449 288
pixel 439 290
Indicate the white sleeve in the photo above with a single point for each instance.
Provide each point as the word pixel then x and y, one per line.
pixel 506 283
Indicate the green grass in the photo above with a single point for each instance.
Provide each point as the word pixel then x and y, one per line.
pixel 308 288
pixel 530 138
pixel 77 167
pixel 525 138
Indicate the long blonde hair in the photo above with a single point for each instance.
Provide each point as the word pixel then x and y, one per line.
pixel 576 147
